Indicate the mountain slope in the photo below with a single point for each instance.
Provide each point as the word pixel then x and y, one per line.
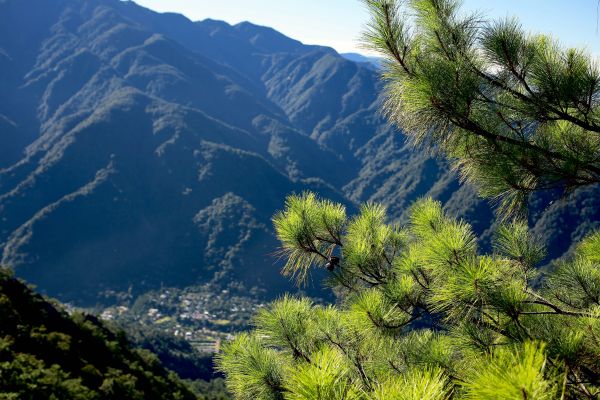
pixel 45 353
pixel 137 135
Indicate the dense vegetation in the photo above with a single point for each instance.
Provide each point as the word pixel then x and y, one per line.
pixel 47 354
pixel 424 313
pixel 174 353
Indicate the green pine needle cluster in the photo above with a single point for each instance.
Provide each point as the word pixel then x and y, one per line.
pixel 422 314
pixel 515 112
pixel 307 217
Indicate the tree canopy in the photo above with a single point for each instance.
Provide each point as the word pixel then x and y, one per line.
pixel 515 112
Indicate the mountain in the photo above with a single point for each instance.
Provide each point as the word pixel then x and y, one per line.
pixel 47 354
pixel 359 58
pixel 141 150
pixel 135 136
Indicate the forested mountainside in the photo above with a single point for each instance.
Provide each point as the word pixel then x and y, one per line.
pixel 140 149
pixel 47 354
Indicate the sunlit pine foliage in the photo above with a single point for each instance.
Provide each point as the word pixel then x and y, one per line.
pixel 422 314
pixel 515 112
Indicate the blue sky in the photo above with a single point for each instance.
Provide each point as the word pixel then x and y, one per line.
pixel 337 23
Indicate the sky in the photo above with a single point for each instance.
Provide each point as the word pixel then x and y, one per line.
pixel 338 23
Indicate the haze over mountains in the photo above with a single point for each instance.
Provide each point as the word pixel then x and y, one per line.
pixel 140 149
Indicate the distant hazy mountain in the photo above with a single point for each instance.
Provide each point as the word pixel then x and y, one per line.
pixel 140 149
pixel 359 58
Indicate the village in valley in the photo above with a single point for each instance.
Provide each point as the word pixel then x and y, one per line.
pixel 197 314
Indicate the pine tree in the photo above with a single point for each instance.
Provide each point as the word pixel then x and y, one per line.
pixel 422 314
pixel 515 112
